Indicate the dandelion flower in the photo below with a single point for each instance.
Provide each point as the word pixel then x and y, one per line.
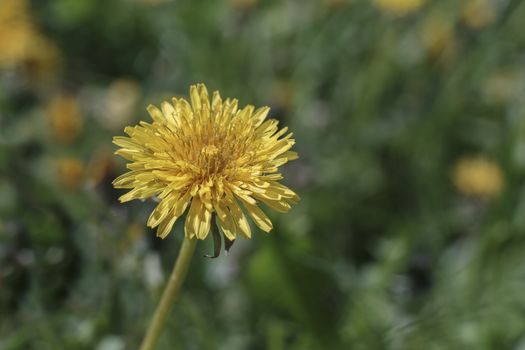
pixel 478 13
pixel 65 117
pixel 478 177
pixel 22 44
pixel 438 36
pixel 211 157
pixel 119 102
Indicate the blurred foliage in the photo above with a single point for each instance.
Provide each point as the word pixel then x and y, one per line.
pixel 410 123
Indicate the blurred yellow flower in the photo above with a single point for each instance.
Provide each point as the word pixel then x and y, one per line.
pixel 64 117
pixel 70 173
pixel 100 166
pixel 478 177
pixel 399 8
pixel 478 13
pixel 42 59
pixel 16 31
pixel 209 156
pixel 119 103
pixel 21 43
pixel 437 35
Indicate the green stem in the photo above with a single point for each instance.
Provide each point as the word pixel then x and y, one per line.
pixel 170 294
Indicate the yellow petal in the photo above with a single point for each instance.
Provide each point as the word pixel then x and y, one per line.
pixel 216 104
pixel 280 206
pixel 226 222
pixel 246 113
pixel 198 222
pixel 125 180
pixel 284 191
pixel 129 154
pixel 270 193
pixel 291 155
pixel 195 98
pixel 203 95
pixel 258 216
pixel 239 219
pixel 162 210
pixel 169 113
pixel 267 128
pixel 166 226
pixel 145 191
pixel 173 205
pixel 259 115
pixel 229 107
pixel 271 177
pixel 156 114
pixel 127 142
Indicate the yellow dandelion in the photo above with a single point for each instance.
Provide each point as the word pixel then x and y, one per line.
pixel 478 177
pixel 478 13
pixel 22 44
pixel 438 36
pixel 65 118
pixel 210 157
pixel 119 102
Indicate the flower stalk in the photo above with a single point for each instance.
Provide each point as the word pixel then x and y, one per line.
pixel 170 294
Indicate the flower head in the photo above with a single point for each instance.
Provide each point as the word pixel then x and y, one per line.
pixel 65 117
pixel 21 42
pixel 210 157
pixel 478 177
pixel 478 13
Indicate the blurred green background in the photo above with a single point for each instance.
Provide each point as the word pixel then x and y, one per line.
pixel 409 117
